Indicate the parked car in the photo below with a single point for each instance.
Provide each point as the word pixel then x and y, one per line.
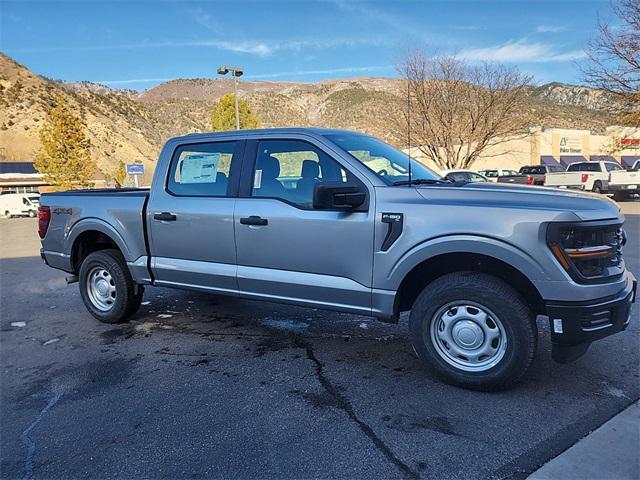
pixel 531 174
pixel 492 175
pixel 19 204
pixel 463 176
pixel 599 177
pixel 474 263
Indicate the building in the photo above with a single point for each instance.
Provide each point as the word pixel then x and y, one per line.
pixel 557 146
pixel 20 177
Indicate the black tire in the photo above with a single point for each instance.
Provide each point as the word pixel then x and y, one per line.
pixel 32 214
pixel 515 318
pixel 620 196
pixel 597 187
pixel 127 296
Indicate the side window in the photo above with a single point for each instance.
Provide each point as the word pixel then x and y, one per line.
pixel 591 167
pixel 458 177
pixel 201 169
pixel 575 167
pixel 290 170
pixel 612 166
pixel 474 177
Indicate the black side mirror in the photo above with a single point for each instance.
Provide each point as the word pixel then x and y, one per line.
pixel 338 196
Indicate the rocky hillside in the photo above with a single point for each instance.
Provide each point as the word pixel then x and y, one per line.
pixel 130 126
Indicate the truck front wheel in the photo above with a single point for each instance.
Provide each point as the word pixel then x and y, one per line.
pixel 106 287
pixel 474 330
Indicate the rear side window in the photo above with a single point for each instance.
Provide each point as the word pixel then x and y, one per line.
pixel 525 170
pixel 201 169
pixel 590 167
pixel 457 177
pixel 555 168
pixel 575 167
pixel 612 166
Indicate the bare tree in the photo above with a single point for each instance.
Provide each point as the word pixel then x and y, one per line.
pixel 614 59
pixel 459 110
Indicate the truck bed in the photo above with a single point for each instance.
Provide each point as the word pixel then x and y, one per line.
pixel 119 213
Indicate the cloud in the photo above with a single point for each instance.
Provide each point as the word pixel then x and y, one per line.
pixel 521 51
pixel 130 81
pixel 550 29
pixel 251 47
pixel 330 71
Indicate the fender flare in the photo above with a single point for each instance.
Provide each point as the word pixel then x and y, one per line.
pixel 95 224
pixel 487 246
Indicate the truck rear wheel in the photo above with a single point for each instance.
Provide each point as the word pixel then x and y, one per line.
pixel 106 287
pixel 474 330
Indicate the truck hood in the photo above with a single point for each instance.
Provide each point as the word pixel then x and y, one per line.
pixel 586 206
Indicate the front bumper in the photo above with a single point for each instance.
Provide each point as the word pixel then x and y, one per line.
pixel 574 325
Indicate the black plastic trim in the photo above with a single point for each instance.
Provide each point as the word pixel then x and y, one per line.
pixel 396 224
pixel 592 320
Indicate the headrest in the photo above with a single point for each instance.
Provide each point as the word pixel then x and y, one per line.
pixel 269 165
pixel 310 169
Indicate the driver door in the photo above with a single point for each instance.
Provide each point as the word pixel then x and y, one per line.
pixel 286 249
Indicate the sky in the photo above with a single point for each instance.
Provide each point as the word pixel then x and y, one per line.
pixel 137 45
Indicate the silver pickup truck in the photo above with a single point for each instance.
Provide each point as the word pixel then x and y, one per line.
pixel 329 219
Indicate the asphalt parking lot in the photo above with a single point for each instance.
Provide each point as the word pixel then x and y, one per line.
pixel 206 386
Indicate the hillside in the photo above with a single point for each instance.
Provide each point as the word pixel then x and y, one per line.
pixel 130 126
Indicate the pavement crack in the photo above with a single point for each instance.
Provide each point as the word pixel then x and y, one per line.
pixel 344 404
pixel 29 444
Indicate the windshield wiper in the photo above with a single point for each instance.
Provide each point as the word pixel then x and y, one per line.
pixel 422 181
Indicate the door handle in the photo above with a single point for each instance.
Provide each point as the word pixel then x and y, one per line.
pixel 165 217
pixel 254 220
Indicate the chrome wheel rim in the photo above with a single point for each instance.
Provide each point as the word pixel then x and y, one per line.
pixel 468 336
pixel 101 289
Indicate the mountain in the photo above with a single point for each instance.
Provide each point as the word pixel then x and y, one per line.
pixel 132 126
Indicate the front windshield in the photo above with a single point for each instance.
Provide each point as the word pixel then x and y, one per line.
pixel 389 164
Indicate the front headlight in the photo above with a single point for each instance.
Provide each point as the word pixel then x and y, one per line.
pixel 590 251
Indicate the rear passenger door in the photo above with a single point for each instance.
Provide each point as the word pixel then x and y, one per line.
pixel 190 217
pixel 289 251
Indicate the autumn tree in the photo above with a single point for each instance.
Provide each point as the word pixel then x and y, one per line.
pixel 458 111
pixel 65 158
pixel 613 59
pixel 120 174
pixel 223 115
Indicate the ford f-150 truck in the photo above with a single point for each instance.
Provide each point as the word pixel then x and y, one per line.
pixel 330 219
pixel 599 177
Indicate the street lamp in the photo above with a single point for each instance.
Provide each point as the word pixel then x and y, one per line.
pixel 235 73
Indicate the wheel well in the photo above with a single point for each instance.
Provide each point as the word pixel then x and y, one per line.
pixel 89 242
pixel 426 272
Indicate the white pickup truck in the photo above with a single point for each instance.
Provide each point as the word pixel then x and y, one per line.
pixel 599 177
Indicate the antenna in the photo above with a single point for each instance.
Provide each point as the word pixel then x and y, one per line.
pixel 409 126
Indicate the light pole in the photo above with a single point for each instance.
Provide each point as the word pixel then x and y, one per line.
pixel 235 73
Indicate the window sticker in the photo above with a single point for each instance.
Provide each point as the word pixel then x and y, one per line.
pixel 200 168
pixel 257 179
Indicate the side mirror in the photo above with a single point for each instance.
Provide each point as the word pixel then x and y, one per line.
pixel 338 196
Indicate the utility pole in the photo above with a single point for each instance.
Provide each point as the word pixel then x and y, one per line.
pixel 235 73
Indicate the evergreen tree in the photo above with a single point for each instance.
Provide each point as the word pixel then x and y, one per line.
pixel 65 159
pixel 223 115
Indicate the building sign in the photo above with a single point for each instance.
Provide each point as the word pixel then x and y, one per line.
pixel 570 145
pixel 135 169
pixel 630 142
